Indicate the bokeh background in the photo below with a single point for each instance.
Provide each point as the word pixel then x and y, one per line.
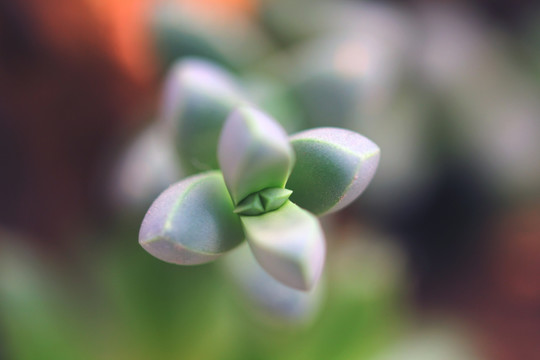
pixel 438 259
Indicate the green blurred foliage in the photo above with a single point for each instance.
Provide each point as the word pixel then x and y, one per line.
pixel 123 304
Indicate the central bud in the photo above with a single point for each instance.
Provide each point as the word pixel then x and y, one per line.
pixel 263 201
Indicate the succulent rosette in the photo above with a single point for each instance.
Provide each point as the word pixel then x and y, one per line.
pixel 268 189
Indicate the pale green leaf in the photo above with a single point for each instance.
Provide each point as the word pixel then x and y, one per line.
pixel 276 302
pixel 289 244
pixel 192 222
pixel 197 98
pixel 334 166
pixel 254 153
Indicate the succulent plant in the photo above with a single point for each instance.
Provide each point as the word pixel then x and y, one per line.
pixel 269 191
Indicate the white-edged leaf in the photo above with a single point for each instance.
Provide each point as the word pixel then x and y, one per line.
pixel 333 167
pixel 254 153
pixel 289 244
pixel 273 300
pixel 197 98
pixel 192 222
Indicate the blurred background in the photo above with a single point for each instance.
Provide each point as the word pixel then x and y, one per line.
pixel 438 259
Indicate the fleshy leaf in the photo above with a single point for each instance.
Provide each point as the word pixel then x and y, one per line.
pixel 192 222
pixel 289 244
pixel 254 153
pixel 198 97
pixel 273 300
pixel 334 166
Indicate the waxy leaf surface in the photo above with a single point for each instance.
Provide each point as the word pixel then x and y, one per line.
pixel 289 244
pixel 254 153
pixel 333 167
pixel 192 222
pixel 198 97
pixel 277 302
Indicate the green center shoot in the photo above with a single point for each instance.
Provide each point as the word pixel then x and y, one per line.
pixel 263 201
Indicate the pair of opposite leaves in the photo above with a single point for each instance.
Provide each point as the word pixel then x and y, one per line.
pixel 203 216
